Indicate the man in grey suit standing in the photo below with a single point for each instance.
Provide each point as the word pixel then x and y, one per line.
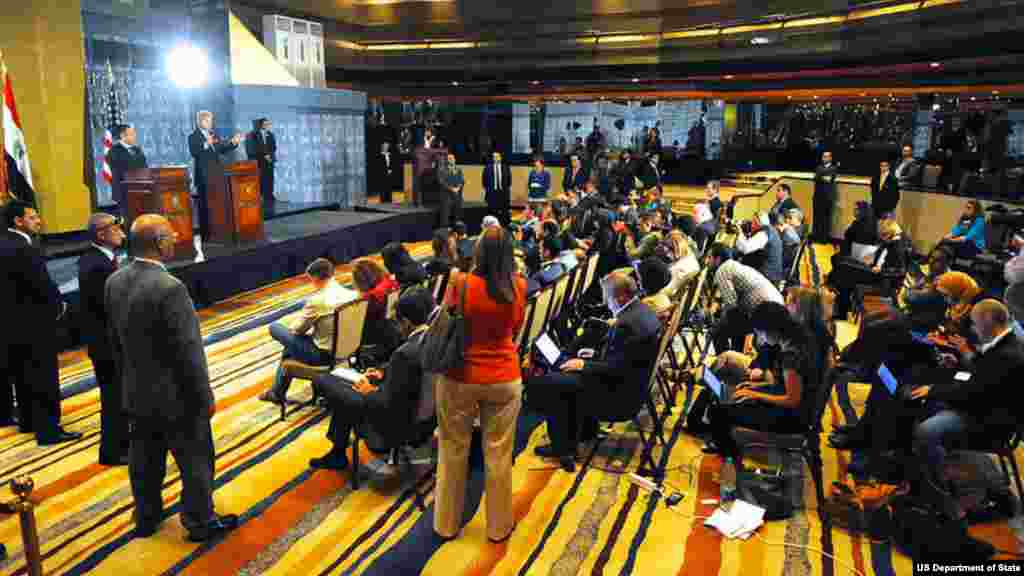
pixel 158 353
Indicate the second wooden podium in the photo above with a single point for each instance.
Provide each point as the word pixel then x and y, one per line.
pixel 163 191
pixel 234 200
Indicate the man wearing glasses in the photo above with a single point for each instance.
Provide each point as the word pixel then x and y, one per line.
pixel 94 267
pixel 159 356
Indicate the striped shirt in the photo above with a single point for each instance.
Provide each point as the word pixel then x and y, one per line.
pixel 744 287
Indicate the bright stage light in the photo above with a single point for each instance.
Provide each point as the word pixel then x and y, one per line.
pixel 186 65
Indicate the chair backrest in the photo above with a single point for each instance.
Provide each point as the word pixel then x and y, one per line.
pixel 584 269
pixel 348 329
pixel 528 317
pixel 440 283
pixel 540 314
pixel 392 303
pixel 669 330
pixel 591 269
pixel 930 175
pixel 559 296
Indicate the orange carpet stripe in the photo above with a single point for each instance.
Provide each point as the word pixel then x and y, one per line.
pixel 71 480
pixel 703 556
pixel 323 548
pixel 522 501
pixel 250 539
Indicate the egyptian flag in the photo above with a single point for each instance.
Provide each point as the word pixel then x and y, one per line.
pixel 19 172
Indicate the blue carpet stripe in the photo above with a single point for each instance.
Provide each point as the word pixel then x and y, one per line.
pixel 409 511
pixel 652 502
pixel 101 554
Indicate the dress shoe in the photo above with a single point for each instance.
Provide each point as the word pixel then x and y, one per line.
pixel 219 525
pixel 269 396
pixel 58 436
pixel 121 460
pixel 333 460
pixel 146 529
pixel 566 461
pixel 710 447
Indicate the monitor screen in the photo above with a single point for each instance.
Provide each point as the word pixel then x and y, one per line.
pixel 712 382
pixel 888 379
pixel 548 349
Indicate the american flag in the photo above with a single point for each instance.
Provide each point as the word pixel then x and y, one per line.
pixel 114 118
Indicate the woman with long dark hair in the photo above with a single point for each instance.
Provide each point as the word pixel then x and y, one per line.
pixel 488 384
pixel 401 265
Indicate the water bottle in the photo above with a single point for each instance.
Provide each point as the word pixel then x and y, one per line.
pixel 727 481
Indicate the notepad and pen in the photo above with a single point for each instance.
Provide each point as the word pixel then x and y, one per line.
pixel 348 375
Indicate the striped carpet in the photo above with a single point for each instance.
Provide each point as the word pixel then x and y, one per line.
pixel 297 521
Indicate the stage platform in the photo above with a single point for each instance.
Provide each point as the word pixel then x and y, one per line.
pixel 292 242
pixel 472 212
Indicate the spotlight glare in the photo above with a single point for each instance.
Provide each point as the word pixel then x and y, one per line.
pixel 187 66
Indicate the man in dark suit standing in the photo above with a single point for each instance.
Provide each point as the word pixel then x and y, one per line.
pixel 885 192
pixel 582 390
pixel 497 183
pixel 824 198
pixel 34 306
pixel 650 173
pixel 206 148
pixel 382 173
pixel 261 146
pixel 158 352
pixel 94 267
pixel 125 155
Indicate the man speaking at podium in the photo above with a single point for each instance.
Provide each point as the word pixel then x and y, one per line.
pixel 206 149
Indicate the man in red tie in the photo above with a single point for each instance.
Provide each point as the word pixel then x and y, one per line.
pixel 94 267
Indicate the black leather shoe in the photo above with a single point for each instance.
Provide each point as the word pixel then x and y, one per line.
pixel 566 461
pixel 330 461
pixel 219 525
pixel 269 396
pixel 57 437
pixel 145 530
pixel 710 447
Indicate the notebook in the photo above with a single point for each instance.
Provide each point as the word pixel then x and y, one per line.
pixel 347 374
pixel 863 252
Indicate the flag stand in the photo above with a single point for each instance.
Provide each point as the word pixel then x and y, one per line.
pixel 4 194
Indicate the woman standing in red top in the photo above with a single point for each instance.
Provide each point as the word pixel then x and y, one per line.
pixel 488 384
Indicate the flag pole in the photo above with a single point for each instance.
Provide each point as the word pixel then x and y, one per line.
pixel 4 194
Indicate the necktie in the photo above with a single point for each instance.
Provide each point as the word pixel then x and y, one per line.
pixel 497 176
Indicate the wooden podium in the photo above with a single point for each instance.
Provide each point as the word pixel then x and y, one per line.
pixel 426 163
pixel 235 204
pixel 163 191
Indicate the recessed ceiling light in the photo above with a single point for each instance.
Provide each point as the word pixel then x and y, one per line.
pixel 995 91
pixel 454 83
pixel 973 98
pixel 729 76
pixel 863 94
pixel 535 82
pixel 789 97
pixel 635 80
pixel 760 40
pixel 935 65
pixel 815 96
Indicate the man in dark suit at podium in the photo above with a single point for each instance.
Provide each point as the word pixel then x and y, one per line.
pixel 382 173
pixel 206 149
pixel 261 146
pixel 124 156
pixel 497 182
pixel 94 267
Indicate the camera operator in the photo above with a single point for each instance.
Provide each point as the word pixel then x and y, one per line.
pixel 760 246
